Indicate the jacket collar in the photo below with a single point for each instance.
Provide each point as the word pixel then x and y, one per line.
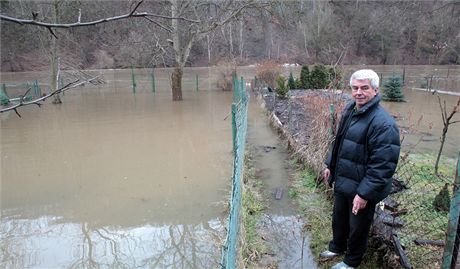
pixel 373 102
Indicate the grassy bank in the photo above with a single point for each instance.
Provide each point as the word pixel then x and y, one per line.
pixel 314 203
pixel 422 220
pixel 253 247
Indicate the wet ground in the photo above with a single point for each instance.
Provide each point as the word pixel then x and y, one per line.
pixel 280 226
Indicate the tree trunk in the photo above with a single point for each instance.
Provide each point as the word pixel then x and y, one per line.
pixel 176 78
pixel 443 140
pixel 54 59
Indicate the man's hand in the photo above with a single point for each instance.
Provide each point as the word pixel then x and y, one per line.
pixel 358 204
pixel 326 174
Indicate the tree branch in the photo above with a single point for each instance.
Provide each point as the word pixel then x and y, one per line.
pixel 160 25
pixel 36 101
pixel 81 24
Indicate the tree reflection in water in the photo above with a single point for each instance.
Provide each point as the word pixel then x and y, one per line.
pixel 49 242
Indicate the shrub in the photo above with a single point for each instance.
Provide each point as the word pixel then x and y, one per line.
pixel 227 68
pixel 321 126
pixel 298 83
pixel 392 89
pixel 291 81
pixel 319 77
pixel 442 200
pixel 282 88
pixel 267 73
pixel 305 77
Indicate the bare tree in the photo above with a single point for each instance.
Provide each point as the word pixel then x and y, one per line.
pixel 184 37
pixel 446 120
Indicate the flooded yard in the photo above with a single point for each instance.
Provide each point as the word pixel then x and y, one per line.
pixel 111 179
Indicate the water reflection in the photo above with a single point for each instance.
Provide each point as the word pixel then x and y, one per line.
pixel 46 242
pixel 112 179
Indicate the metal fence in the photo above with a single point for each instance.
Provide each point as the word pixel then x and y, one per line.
pixel 239 128
pixel 422 207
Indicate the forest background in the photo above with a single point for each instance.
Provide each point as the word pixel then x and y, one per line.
pixel 295 31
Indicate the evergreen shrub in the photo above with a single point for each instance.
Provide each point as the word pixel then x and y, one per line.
pixel 291 81
pixel 392 89
pixel 282 88
pixel 442 200
pixel 319 77
pixel 305 77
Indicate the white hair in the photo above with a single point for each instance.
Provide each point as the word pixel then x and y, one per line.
pixel 366 74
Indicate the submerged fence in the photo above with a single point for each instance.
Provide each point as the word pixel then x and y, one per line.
pixel 239 128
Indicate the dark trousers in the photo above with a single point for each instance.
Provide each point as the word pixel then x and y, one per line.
pixel 350 232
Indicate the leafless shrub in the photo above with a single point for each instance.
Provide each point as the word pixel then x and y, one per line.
pixel 322 128
pixel 267 72
pixel 227 68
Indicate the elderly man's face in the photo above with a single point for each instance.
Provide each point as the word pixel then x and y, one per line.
pixel 362 91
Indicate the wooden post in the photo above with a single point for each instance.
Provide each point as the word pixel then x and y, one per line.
pixel 196 82
pixel 133 78
pixel 4 99
pixel 450 255
pixel 152 75
pixel 404 75
pixel 431 82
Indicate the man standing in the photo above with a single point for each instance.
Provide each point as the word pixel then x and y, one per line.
pixel 360 166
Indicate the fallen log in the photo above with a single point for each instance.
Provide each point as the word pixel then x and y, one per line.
pixel 438 243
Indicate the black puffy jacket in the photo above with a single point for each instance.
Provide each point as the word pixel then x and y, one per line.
pixel 365 153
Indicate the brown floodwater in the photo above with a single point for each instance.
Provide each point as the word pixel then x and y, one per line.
pixel 114 179
pixel 421 123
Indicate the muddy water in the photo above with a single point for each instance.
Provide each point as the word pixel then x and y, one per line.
pixel 280 227
pixel 109 179
pixel 421 122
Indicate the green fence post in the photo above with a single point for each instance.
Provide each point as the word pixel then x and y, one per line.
pixel 153 81
pixel 133 78
pixel 331 113
pixel 235 87
pixel 449 260
pixel 196 82
pixel 36 88
pixel 4 99
pixel 404 76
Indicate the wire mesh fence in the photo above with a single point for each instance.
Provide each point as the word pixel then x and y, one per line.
pixel 239 128
pixel 419 212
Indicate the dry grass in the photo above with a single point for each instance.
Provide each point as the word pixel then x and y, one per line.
pixel 323 125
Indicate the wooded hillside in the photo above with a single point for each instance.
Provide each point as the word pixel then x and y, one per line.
pixel 295 31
